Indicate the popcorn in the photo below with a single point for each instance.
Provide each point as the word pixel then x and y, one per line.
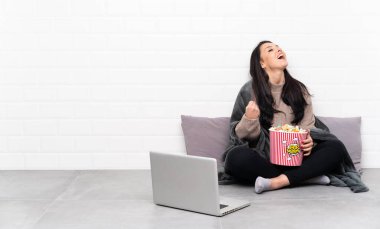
pixel 288 128
pixel 285 144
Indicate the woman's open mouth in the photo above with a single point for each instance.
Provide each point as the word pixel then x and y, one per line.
pixel 281 57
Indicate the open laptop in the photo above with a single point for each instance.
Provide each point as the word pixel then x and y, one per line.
pixel 189 183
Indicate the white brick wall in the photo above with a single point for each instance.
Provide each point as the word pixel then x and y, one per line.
pixel 93 84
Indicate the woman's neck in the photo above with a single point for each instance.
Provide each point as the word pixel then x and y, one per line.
pixel 276 77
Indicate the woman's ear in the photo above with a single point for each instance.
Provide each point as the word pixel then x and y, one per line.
pixel 262 63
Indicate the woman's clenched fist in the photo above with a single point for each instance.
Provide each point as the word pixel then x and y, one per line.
pixel 252 110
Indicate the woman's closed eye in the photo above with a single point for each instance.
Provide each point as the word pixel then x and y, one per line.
pixel 270 50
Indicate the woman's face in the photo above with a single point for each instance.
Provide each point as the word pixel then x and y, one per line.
pixel 272 57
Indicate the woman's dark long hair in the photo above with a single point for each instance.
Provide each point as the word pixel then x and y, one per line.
pixel 292 94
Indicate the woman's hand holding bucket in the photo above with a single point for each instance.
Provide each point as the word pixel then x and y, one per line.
pixel 307 144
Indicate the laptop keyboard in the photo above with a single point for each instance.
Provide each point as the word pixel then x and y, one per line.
pixel 222 206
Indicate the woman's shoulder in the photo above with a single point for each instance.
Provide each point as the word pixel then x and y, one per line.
pixel 246 90
pixel 308 97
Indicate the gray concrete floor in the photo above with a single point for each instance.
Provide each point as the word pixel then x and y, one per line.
pixel 123 199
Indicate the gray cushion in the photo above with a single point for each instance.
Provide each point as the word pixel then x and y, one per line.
pixel 348 131
pixel 209 137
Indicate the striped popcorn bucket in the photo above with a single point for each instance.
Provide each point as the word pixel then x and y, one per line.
pixel 285 148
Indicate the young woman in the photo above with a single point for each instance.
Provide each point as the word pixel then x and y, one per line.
pixel 275 97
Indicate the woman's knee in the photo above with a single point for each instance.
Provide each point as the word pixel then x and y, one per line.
pixel 235 158
pixel 336 147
